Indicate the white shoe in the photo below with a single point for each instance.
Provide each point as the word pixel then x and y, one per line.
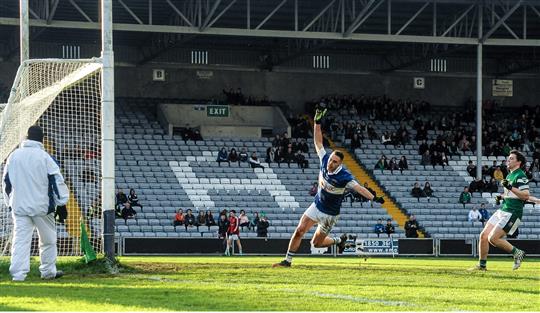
pixel 520 255
pixel 18 278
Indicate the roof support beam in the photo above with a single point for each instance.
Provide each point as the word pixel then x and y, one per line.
pixel 501 21
pixel 412 18
pixel 458 20
pixel 271 14
pixel 319 15
pixel 221 13
pixel 80 11
pixel 358 19
pixel 365 17
pixel 182 16
pixel 210 15
pixel 52 11
pixel 135 17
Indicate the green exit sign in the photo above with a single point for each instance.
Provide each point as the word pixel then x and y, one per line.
pixel 217 111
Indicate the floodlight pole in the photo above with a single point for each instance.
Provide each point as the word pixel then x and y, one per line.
pixel 479 60
pixel 107 129
pixel 25 30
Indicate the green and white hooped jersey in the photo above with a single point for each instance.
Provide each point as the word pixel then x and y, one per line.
pixel 512 203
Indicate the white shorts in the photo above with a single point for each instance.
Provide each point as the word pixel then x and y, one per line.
pixel 505 221
pixel 233 237
pixel 325 221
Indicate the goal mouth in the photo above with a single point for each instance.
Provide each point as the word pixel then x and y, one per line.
pixel 64 98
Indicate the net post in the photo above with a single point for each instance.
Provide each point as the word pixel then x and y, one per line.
pixel 25 30
pixel 107 124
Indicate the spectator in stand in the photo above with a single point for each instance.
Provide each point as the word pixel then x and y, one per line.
pixel 427 190
pixel 262 227
pixel 393 166
pixel 254 161
pixel 465 196
pixel 201 219
pixel 134 199
pixel 534 170
pixel 417 192
pixel 492 169
pixel 477 185
pixel 403 164
pixel 389 229
pixel 243 156
pixel 303 146
pixel 474 215
pixel 189 219
pixel 178 218
pixel 444 159
pixel 492 186
pixel 128 212
pixel 356 142
pixel 209 219
pixel 379 228
pixel 279 156
pixel 301 160
pixel 484 212
pixel 223 156
pixel 121 199
pixel 288 156
pixel 411 227
pixel 471 169
pixel 277 141
pixel 386 139
pixel 314 189
pixel 270 155
pixel 244 220
pixel 423 148
pixel 381 164
pixel 426 158
pixel 197 136
pixel 254 220
pixel 233 156
pixel 498 174
pixel 504 168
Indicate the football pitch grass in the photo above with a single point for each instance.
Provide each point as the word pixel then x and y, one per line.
pixel 250 284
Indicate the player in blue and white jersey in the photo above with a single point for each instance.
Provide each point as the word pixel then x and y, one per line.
pixel 324 211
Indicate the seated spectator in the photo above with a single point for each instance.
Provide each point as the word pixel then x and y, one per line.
pixel 233 156
pixel 254 220
pixel 423 148
pixel 243 156
pixel 209 219
pixel 498 174
pixel 393 166
pixel 471 169
pixel 411 227
pixel 465 196
pixel 379 228
pixel 133 199
pixel 223 156
pixel 189 219
pixel 121 198
pixel 485 214
pixel 196 136
pixel 403 164
pixel 262 227
pixel 270 155
pixel 356 142
pixel 314 189
pixel 382 164
pixel 178 218
pixel 426 158
pixel 128 212
pixel 474 215
pixel 386 139
pixel 201 219
pixel 301 160
pixel 243 220
pixel 277 141
pixel 444 159
pixel 254 161
pixel 389 229
pixel 477 185
pixel 492 186
pixel 427 190
pixel 417 192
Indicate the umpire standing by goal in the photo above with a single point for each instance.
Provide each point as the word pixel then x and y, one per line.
pixel 33 186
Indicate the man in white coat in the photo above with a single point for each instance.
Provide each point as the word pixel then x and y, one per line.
pixel 33 186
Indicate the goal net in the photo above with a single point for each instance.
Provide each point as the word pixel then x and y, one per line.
pixel 64 98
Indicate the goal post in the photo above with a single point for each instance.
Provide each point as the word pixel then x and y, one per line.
pixel 63 97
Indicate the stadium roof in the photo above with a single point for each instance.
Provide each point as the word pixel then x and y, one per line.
pixel 377 25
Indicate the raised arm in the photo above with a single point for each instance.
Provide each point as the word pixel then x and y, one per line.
pixel 317 132
pixel 366 194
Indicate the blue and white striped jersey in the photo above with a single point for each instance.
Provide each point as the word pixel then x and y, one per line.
pixel 332 186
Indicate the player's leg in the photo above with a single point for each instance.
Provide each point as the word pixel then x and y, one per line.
pixel 20 251
pixel 228 240
pixel 47 245
pixel 239 244
pixel 305 224
pixel 321 239
pixel 496 238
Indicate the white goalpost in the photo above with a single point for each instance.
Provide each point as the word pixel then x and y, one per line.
pixel 73 101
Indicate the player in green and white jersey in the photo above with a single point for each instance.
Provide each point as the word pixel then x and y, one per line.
pixel 506 219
